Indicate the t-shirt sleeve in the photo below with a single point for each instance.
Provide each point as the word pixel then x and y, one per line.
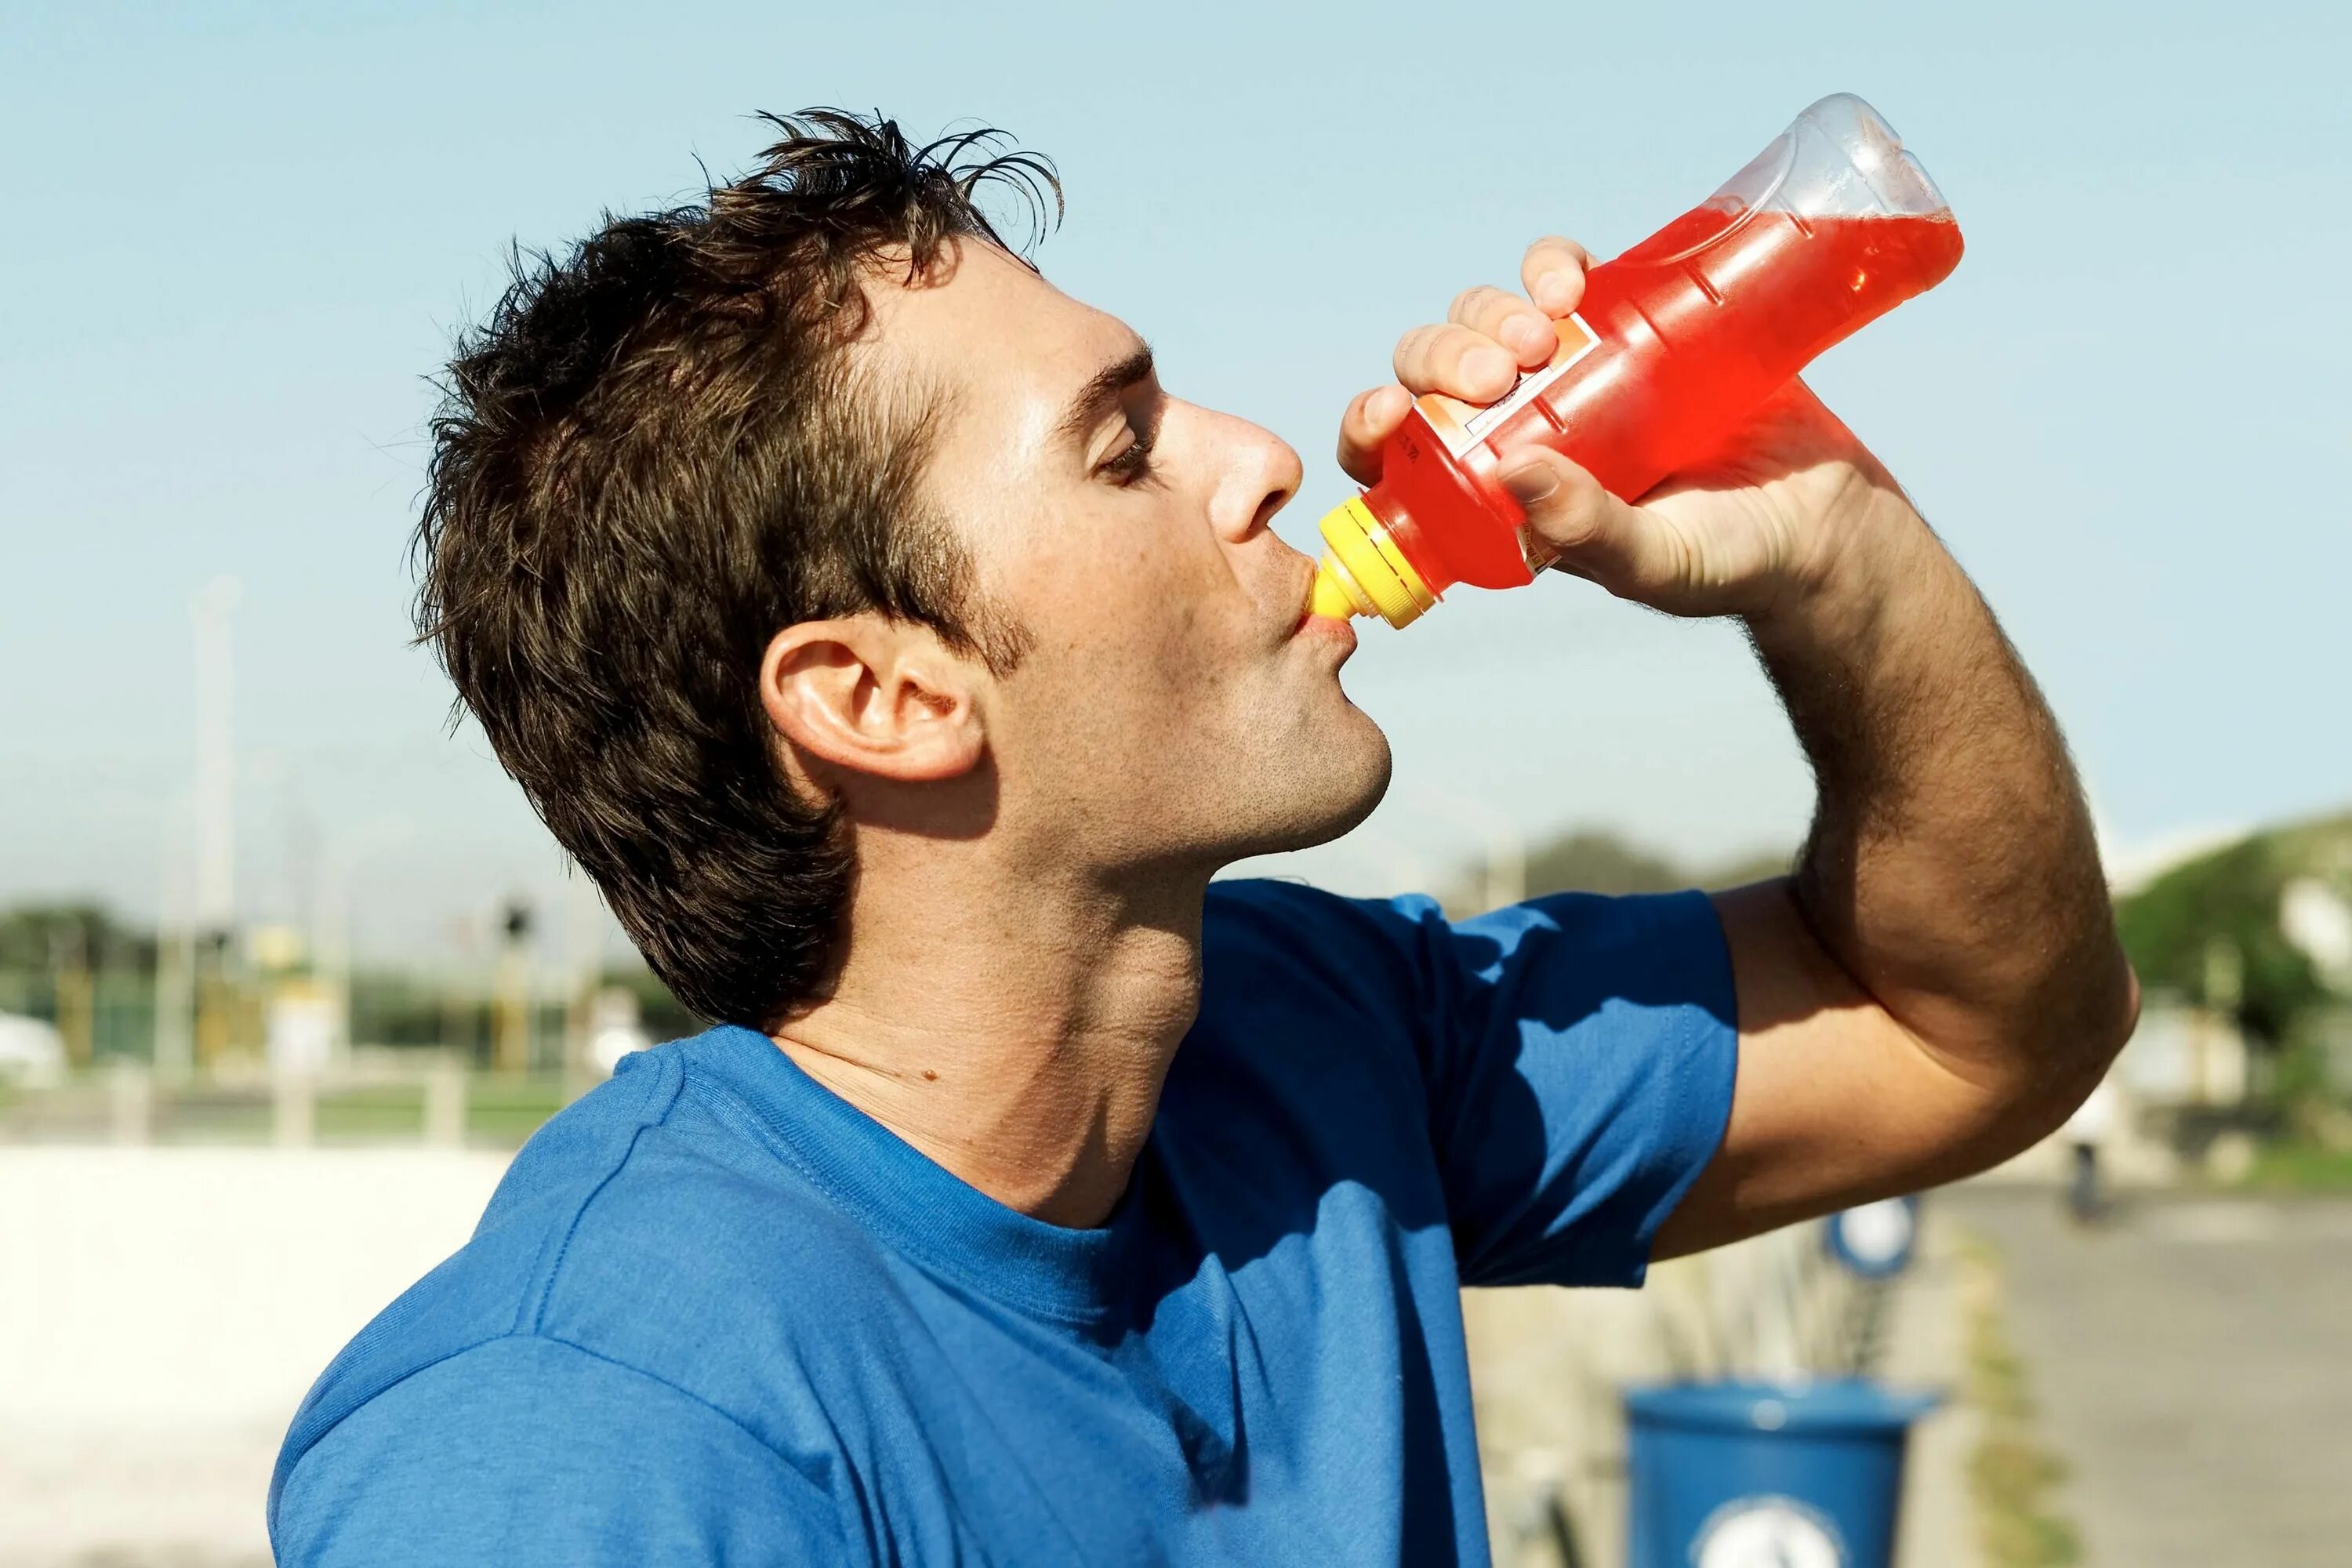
pixel 527 1451
pixel 1579 1053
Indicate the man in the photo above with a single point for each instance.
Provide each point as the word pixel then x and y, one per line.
pixel 2086 1133
pixel 902 662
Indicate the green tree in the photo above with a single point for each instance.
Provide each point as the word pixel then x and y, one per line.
pixel 33 936
pixel 1591 861
pixel 2172 928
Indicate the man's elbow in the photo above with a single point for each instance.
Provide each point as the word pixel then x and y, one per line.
pixel 2125 1018
pixel 2091 1019
pixel 2068 1045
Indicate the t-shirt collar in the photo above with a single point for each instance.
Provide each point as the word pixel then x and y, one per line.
pixel 936 1219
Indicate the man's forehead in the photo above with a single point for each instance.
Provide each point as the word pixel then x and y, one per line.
pixel 983 324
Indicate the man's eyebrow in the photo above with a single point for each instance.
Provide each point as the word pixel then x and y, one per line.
pixel 1102 390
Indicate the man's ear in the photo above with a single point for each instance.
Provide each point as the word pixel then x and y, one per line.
pixel 874 696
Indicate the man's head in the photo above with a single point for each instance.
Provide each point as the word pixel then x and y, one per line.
pixel 764 532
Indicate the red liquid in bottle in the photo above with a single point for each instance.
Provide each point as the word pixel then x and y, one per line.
pixel 1676 341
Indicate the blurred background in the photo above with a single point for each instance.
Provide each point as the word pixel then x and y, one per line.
pixel 287 968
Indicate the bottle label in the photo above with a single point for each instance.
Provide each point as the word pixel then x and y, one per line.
pixel 1462 426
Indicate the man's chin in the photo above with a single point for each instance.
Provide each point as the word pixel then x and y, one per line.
pixel 1329 794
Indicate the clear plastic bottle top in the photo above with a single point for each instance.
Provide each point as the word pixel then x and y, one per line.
pixel 1837 158
pixel 1679 339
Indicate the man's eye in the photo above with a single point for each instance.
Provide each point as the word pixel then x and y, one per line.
pixel 1133 461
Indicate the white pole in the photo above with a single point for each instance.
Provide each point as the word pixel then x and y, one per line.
pixel 331 946
pixel 214 909
pixel 583 944
pixel 339 860
pixel 175 958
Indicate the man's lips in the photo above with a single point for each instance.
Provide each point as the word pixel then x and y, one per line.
pixel 1333 628
pixel 1328 626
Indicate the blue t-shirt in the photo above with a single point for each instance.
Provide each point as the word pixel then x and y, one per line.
pixel 715 1314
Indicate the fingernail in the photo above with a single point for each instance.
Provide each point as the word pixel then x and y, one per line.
pixel 1384 405
pixel 1525 334
pixel 1530 481
pixel 1551 291
pixel 1491 365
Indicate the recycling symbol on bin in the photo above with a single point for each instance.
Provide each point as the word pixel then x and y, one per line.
pixel 1767 1532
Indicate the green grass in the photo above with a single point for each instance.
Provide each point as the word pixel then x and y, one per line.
pixel 497 1110
pixel 2011 1476
pixel 500 1112
pixel 384 1114
pixel 216 1119
pixel 507 1111
pixel 2300 1168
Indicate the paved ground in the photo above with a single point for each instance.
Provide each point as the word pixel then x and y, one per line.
pixel 2193 1362
pixel 1926 1348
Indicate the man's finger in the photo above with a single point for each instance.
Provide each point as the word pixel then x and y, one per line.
pixel 1553 271
pixel 1456 361
pixel 1626 550
pixel 1524 331
pixel 1370 419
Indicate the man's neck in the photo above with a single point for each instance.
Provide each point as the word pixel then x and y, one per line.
pixel 1015 1033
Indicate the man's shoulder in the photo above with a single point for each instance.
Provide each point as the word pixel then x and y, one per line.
pixel 1265 921
pixel 1284 961
pixel 1265 938
pixel 642 1225
pixel 1304 991
pixel 526 1450
pixel 1250 899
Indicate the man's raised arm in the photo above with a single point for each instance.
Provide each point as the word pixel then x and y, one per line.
pixel 1939 983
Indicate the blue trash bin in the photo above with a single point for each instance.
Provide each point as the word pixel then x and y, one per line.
pixel 1766 1475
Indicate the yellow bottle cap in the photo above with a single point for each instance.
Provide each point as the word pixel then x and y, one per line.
pixel 1363 572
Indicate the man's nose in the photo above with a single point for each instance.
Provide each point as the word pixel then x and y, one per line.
pixel 1261 474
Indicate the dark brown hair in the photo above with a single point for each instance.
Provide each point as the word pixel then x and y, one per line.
pixel 656 453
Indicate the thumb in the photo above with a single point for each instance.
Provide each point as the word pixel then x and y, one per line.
pixel 1591 532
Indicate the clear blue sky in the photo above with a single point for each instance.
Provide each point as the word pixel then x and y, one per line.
pixel 239 235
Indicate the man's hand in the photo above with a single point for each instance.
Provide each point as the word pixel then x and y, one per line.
pixel 1771 510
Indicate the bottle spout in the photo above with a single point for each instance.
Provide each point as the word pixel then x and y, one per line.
pixel 1362 569
pixel 1331 597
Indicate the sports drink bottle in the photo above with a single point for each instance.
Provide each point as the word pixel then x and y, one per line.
pixel 1676 341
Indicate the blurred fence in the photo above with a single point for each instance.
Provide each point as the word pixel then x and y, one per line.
pixel 119 1005
pixel 428 1097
